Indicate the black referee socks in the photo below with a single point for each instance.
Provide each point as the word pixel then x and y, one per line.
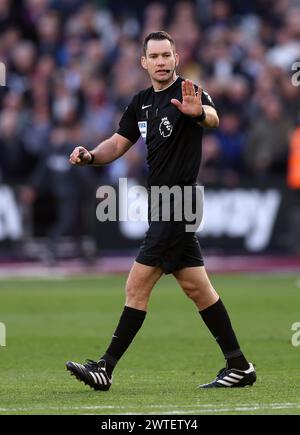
pixel 130 322
pixel 218 322
pixel 215 317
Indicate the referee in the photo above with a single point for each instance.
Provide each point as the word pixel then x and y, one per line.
pixel 170 116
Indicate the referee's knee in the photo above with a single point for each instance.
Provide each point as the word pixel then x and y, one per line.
pixel 197 293
pixel 192 291
pixel 137 297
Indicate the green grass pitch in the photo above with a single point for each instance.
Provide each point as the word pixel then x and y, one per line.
pixel 49 322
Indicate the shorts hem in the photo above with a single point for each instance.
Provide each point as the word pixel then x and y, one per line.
pixel 147 262
pixel 183 266
pixel 167 269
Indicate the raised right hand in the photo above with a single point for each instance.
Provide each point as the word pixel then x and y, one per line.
pixel 80 156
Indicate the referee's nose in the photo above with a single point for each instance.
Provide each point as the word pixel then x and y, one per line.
pixel 160 61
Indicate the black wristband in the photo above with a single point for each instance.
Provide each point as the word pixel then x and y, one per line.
pixel 92 159
pixel 201 117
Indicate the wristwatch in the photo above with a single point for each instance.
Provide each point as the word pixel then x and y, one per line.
pixel 92 158
pixel 201 117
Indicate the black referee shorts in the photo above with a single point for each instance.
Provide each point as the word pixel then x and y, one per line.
pixel 167 244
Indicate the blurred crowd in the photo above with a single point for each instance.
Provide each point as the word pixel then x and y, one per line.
pixel 74 65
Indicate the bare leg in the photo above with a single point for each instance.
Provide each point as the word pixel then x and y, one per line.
pixel 197 286
pixel 140 282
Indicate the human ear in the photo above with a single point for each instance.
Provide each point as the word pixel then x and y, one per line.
pixel 144 62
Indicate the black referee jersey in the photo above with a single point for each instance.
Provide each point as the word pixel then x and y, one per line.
pixel 174 140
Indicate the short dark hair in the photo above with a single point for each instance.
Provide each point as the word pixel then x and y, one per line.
pixel 158 36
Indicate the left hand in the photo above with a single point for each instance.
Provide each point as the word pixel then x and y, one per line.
pixel 191 101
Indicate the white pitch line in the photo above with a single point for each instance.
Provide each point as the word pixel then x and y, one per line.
pixel 238 409
pixel 216 410
pixel 207 408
